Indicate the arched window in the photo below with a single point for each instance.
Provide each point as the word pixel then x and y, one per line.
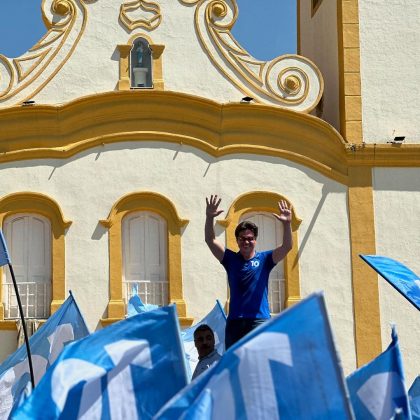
pixel 29 241
pixel 144 241
pixel 270 234
pixel 141 64
pixel 145 248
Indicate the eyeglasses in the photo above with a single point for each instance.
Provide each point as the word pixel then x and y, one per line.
pixel 246 238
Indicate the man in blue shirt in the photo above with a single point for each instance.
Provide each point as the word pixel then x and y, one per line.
pixel 247 269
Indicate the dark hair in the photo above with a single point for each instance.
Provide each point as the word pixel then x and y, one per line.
pixel 202 327
pixel 244 226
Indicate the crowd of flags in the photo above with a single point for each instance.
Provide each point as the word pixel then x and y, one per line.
pixel 141 367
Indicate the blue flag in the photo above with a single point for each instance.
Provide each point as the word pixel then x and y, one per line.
pixel 64 326
pixel 216 320
pixel 288 367
pixel 4 253
pixel 398 275
pixel 135 304
pixel 414 398
pixel 377 390
pixel 125 371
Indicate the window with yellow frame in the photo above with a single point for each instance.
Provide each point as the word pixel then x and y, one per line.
pixel 157 204
pixel 41 211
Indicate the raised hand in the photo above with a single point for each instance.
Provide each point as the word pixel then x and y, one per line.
pixel 285 212
pixel 212 206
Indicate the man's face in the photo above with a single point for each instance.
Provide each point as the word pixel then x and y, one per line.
pixel 204 342
pixel 246 242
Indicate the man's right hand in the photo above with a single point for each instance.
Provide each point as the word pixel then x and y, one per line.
pixel 212 211
pixel 212 206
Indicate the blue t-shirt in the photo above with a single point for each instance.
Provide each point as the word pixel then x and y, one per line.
pixel 248 282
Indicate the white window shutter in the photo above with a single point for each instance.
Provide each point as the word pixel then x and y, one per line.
pixel 29 240
pixel 145 257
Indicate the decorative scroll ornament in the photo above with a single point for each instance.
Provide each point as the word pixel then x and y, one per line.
pixel 290 81
pixel 140 14
pixel 23 77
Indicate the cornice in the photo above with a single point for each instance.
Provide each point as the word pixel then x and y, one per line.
pixel 383 155
pixel 44 131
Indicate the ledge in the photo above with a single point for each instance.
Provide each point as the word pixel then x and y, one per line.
pixel 44 131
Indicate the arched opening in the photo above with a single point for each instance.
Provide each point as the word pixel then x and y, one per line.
pixel 141 64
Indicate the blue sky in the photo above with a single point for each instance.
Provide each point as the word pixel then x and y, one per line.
pixel 21 26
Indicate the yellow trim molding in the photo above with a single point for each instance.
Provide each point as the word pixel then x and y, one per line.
pixel 28 202
pixel 266 201
pixel 8 325
pixel 349 69
pixel 144 201
pixel 157 70
pixel 144 6
pixel 217 129
pixel 367 324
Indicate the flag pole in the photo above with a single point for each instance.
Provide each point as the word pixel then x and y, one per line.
pixel 25 333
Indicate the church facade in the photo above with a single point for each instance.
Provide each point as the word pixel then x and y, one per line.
pixel 120 121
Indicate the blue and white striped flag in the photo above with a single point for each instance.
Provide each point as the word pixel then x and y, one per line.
pixel 125 371
pixel 64 326
pixel 216 320
pixel 377 390
pixel 4 253
pixel 414 398
pixel 398 275
pixel 287 367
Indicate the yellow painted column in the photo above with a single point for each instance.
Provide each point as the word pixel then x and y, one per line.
pixel 367 322
pixel 116 306
pixel 349 62
pixel 124 81
pixel 291 271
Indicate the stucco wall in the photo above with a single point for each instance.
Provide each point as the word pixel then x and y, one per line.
pixel 389 61
pixel 8 340
pixel 94 65
pixel 318 41
pixel 87 185
pixel 397 224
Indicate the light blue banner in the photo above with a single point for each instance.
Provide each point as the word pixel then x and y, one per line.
pixel 414 398
pixel 136 306
pixel 4 253
pixel 63 327
pixel 287 368
pixel 398 275
pixel 216 320
pixel 377 390
pixel 125 371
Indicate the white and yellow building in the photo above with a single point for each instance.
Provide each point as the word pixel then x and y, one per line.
pixel 137 117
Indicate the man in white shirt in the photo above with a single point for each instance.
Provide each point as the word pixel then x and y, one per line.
pixel 204 343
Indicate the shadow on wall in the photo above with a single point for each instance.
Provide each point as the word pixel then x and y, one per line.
pixel 396 179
